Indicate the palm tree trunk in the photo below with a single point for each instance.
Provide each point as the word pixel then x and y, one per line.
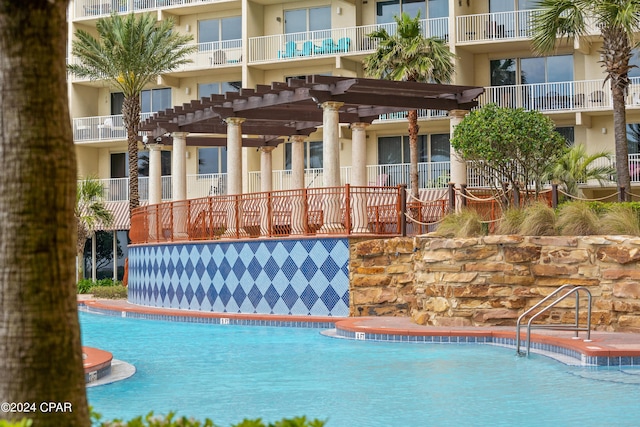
pixel 131 119
pixel 620 135
pixel 40 350
pixel 412 117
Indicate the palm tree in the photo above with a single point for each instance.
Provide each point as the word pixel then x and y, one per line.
pixel 407 55
pixel 619 22
pixel 130 52
pixel 90 212
pixel 40 348
pixel 576 167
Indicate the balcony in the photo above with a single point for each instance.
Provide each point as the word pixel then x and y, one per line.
pixel 329 43
pixel 489 27
pixel 585 95
pixel 103 8
pixel 101 128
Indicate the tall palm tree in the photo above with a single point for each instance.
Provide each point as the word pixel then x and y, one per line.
pixel 576 167
pixel 130 52
pixel 90 212
pixel 407 55
pixel 619 24
pixel 40 348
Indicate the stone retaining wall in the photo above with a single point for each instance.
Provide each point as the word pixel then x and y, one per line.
pixel 491 280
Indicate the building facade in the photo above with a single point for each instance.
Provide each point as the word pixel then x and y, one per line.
pixel 243 43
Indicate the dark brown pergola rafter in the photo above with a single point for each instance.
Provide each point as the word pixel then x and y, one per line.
pixel 295 108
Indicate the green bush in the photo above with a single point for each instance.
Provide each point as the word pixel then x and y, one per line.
pixel 151 420
pixel 109 292
pixel 22 423
pixel 86 286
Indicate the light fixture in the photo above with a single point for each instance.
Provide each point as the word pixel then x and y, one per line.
pixel 187 28
pixel 604 131
pixel 278 19
pixel 187 90
pixel 339 10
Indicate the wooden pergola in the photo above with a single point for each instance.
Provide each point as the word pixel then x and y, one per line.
pixel 271 112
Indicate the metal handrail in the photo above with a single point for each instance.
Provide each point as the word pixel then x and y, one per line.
pixel 564 327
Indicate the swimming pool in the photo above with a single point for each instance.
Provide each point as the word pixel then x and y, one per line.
pixel 228 373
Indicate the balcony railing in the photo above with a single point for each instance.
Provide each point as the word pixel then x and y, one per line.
pixel 495 26
pixel 582 95
pixel 203 185
pixel 101 128
pixel 335 41
pixel 101 8
pixel 215 54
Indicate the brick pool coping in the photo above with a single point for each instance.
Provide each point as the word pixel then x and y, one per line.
pixel 604 349
pixel 96 363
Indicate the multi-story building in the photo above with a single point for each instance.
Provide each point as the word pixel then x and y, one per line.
pixel 245 43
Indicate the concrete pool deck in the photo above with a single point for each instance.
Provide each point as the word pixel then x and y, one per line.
pixel 611 346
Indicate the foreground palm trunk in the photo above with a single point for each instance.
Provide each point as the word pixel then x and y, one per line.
pixel 40 352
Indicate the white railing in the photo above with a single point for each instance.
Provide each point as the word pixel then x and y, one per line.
pixel 561 96
pixel 495 26
pixel 117 189
pixel 422 114
pixel 101 128
pixel 101 8
pixel 333 41
pixel 215 54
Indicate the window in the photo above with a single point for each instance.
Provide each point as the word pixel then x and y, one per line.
pixel 303 20
pixel 388 9
pixel 212 160
pixel 568 134
pixel 119 165
pixel 633 137
pixel 155 100
pixel 431 148
pixel 216 88
pixel 312 155
pixel 212 31
pixel 117 99
pixel 143 163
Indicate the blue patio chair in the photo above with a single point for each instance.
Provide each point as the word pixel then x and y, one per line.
pixel 307 48
pixel 343 44
pixel 289 50
pixel 327 47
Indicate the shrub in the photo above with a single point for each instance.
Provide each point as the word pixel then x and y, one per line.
pixel 466 223
pixel 577 218
pixel 540 220
pixel 151 420
pixel 22 423
pixel 511 221
pixel 620 218
pixel 85 285
pixel 109 292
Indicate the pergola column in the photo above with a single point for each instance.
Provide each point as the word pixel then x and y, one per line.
pixel 331 166
pixel 234 175
pixel 297 183
pixel 359 177
pixel 155 173
pixel 458 165
pixel 266 185
pixel 179 183
pixel 155 188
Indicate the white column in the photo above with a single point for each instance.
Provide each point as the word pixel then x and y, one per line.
pixel 297 183
pixel 331 143
pixel 331 166
pixel 359 177
pixel 458 166
pixel 155 174
pixel 266 185
pixel 234 177
pixel 179 166
pixel 234 155
pixel 179 184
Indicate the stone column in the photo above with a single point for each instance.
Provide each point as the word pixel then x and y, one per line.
pixel 179 184
pixel 155 174
pixel 234 177
pixel 155 190
pixel 297 183
pixel 458 166
pixel 266 185
pixel 331 166
pixel 359 177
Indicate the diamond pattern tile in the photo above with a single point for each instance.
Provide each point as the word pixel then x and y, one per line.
pixel 303 277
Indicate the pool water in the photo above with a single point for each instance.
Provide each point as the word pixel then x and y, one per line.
pixel 228 373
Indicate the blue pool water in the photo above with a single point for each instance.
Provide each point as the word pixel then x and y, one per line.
pixel 227 373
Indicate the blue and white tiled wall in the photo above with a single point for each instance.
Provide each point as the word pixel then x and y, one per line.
pixel 286 277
